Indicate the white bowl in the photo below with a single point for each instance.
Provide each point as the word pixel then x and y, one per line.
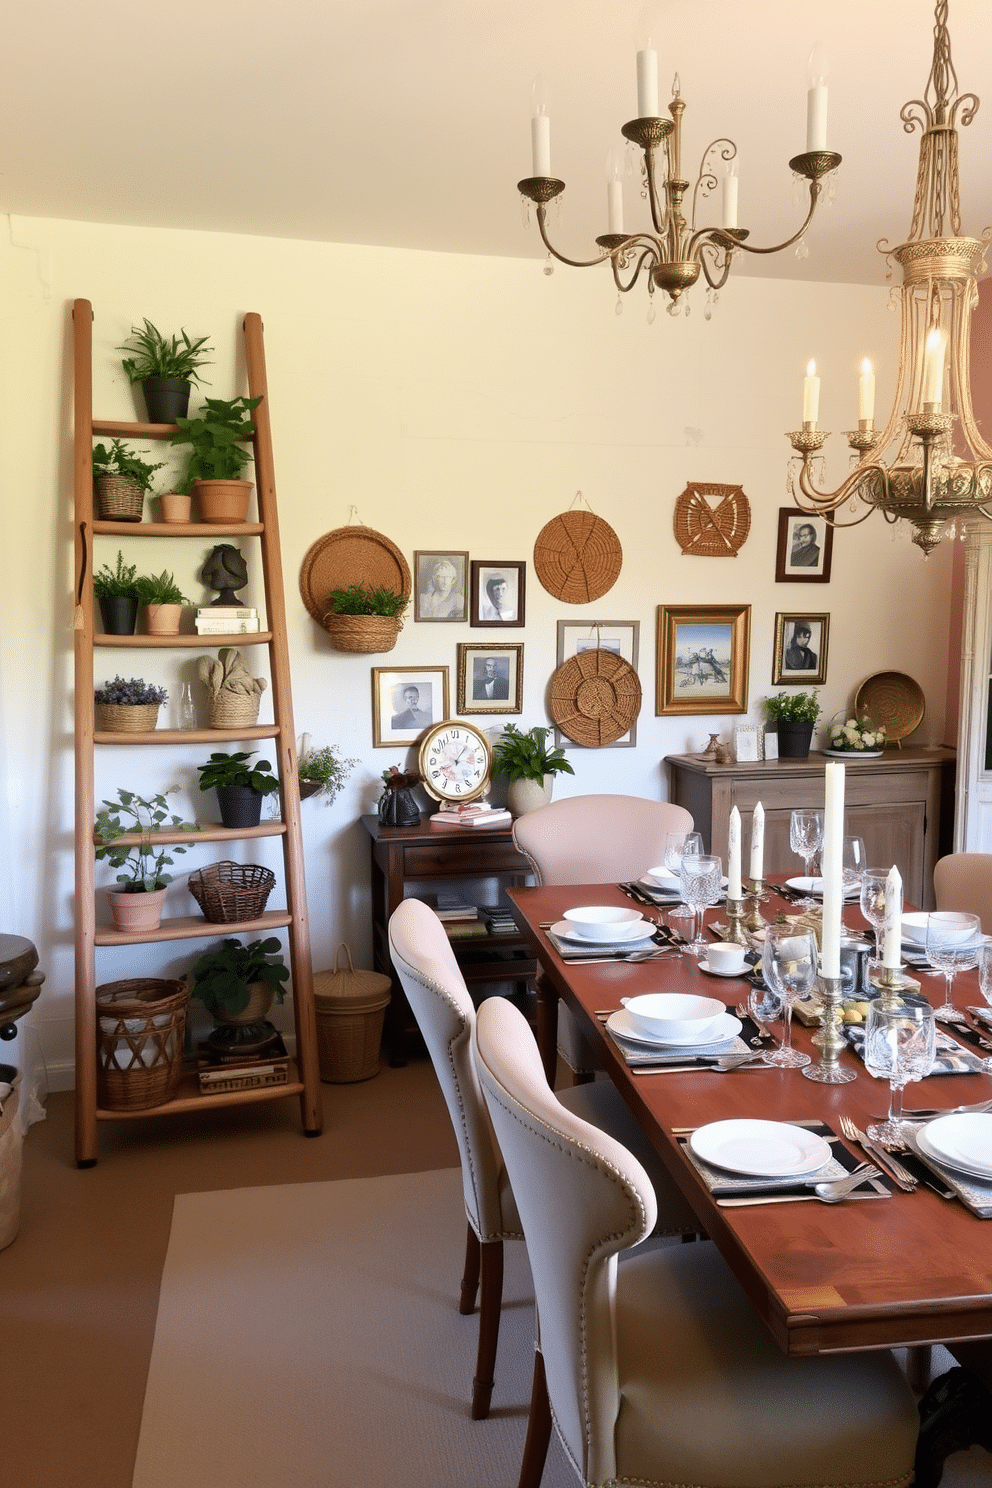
pixel 601 921
pixel 663 874
pixel 674 1014
pixel 914 927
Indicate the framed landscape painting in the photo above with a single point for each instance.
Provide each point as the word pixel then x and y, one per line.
pixel 703 658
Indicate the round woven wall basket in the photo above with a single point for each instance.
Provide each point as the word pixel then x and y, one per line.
pixel 229 892
pixel 351 555
pixel 362 632
pixel 119 498
pixel 577 557
pixel 595 698
pixel 141 1024
pixel 126 718
pixel 894 699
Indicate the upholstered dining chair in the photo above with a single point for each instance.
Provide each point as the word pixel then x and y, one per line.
pixel 963 881
pixel 591 839
pixel 653 1364
pixel 443 1008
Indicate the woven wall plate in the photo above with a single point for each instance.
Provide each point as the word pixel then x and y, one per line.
pixel 577 557
pixel 595 698
pixel 712 521
pixel 351 555
pixel 894 699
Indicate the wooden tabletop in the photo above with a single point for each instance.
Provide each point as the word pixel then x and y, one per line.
pixel 912 1269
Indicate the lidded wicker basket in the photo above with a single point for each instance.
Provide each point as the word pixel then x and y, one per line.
pixel 119 498
pixel 229 892
pixel 351 1008
pixel 141 1024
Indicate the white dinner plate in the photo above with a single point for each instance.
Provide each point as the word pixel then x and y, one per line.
pixel 761 1149
pixel 669 885
pixel 712 971
pixel 719 1031
pixel 814 886
pixel 963 1141
pixel 632 930
pixel 854 753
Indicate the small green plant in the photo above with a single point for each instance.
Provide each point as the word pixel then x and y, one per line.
pixel 217 437
pixel 793 707
pixel 358 599
pixel 224 770
pixel 222 978
pixel 116 583
pixel 144 862
pixel 134 692
pixel 120 459
pixel 156 589
pixel 157 357
pixel 326 768
pixel 524 755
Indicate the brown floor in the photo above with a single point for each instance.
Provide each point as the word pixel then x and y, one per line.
pixel 79 1285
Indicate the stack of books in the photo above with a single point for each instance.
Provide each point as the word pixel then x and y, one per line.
pixel 222 1072
pixel 500 922
pixel 226 620
pixel 472 814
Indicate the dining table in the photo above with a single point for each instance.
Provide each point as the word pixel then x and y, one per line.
pixel 912 1268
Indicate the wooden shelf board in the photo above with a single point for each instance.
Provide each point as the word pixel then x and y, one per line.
pixel 182 642
pixel 188 1098
pixel 209 832
pixel 178 529
pixel 189 736
pixel 193 927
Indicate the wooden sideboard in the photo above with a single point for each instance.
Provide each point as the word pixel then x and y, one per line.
pixel 902 805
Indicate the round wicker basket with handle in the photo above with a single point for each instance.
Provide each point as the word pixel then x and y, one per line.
pixel 141 1024
pixel 229 892
pixel 351 1008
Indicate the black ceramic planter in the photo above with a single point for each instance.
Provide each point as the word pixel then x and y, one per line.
pixel 240 806
pixel 794 740
pixel 166 398
pixel 119 614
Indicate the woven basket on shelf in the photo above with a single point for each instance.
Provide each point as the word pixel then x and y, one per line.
pixel 126 718
pixel 233 709
pixel 119 498
pixel 141 1024
pixel 362 632
pixel 351 1008
pixel 228 892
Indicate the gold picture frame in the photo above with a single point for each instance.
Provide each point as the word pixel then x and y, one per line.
pixel 800 649
pixel 490 678
pixel 398 717
pixel 703 654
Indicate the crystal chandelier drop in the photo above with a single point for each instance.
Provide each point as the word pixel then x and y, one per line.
pixel 929 464
pixel 672 256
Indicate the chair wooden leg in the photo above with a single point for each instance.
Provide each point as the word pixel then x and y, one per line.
pixel 547 1026
pixel 470 1278
pixel 490 1302
pixel 918 1367
pixel 538 1429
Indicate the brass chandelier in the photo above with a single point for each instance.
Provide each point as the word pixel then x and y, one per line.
pixel 929 464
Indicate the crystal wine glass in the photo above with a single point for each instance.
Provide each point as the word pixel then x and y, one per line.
pixel 677 846
pixel 700 876
pixel 853 863
pixel 900 1045
pixel 788 967
pixel 873 882
pixel 806 839
pixel 953 943
pixel 764 1006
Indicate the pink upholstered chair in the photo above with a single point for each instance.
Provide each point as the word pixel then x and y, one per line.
pixel 963 881
pixel 658 1369
pixel 592 839
pixel 439 999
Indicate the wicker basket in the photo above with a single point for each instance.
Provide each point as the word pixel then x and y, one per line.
pixel 141 1025
pixel 233 709
pixel 126 718
pixel 351 1009
pixel 228 892
pixel 119 498
pixel 362 632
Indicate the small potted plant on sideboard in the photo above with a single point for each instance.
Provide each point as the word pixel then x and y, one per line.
pixel 529 767
pixel 794 715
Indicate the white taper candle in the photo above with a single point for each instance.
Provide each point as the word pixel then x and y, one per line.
pixel 892 928
pixel 734 886
pixel 758 841
pixel 832 865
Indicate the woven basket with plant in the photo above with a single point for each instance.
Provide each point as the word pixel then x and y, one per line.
pixel 128 707
pixel 358 618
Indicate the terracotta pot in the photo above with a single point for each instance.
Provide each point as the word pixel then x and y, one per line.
pixel 223 500
pixel 136 913
pixel 259 1001
pixel 527 795
pixel 176 506
pixel 163 619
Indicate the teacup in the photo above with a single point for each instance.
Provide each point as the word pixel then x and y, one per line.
pixel 726 957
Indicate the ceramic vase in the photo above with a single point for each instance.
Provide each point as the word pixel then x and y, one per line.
pixel 527 795
pixel 136 913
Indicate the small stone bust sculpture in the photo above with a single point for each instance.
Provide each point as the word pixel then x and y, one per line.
pixel 226 571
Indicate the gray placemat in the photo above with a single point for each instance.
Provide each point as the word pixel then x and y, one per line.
pixel 662 1054
pixel 974 1193
pixel 951 1059
pixel 723 1185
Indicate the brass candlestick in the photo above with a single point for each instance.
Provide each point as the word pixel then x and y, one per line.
pixel 737 923
pixel 891 981
pixel 755 896
pixel 830 1040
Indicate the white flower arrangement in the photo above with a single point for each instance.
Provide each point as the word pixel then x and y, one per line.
pixel 850 734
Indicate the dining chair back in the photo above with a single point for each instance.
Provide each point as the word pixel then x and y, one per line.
pixel 652 1360
pixel 963 882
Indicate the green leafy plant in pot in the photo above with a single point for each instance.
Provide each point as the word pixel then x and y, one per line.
pixel 166 368
pixel 322 772
pixel 218 455
pixel 120 480
pixel 165 601
pixel 237 984
pixel 128 706
pixel 116 592
pixel 240 787
pixel 125 831
pixel 794 715
pixel 523 758
pixel 362 618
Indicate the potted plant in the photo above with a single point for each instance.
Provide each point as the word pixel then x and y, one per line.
pixel 120 480
pixel 137 905
pixel 237 983
pixel 794 715
pixel 322 772
pixel 165 368
pixel 116 592
pixel 359 618
pixel 165 601
pixel 240 787
pixel 128 706
pixel 523 758
pixel 218 456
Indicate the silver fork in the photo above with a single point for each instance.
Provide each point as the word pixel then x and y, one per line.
pixel 763 1036
pixel 900 1175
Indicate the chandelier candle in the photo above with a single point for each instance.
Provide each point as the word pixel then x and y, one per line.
pixel 816 102
pixel 811 397
pixel 933 370
pixel 866 394
pixel 833 889
pixel 647 84
pixel 729 200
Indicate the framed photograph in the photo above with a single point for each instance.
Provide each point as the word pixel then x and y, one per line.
pixel 490 678
pixel 800 650
pixel 805 548
pixel 405 701
pixel 703 653
pixel 440 586
pixel 749 741
pixel 619 636
pixel 497 592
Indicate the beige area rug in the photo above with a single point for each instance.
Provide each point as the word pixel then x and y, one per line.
pixel 308 1336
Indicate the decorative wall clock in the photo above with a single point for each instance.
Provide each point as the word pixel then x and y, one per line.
pixel 712 521
pixel 455 761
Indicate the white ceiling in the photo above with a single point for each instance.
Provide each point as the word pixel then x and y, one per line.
pixel 405 123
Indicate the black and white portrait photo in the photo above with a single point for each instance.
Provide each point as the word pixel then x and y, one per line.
pixel 805 548
pixel 490 678
pixel 497 593
pixel 800 649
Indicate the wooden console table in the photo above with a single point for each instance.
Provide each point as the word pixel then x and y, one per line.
pixel 902 805
pixel 406 860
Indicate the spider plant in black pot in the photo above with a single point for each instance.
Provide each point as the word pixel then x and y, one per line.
pixel 166 368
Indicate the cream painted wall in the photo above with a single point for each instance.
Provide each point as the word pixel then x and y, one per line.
pixel 454 402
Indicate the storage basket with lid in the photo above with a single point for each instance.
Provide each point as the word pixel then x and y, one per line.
pixel 351 1009
pixel 141 1024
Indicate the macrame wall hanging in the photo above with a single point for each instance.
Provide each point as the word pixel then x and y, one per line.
pixel 712 521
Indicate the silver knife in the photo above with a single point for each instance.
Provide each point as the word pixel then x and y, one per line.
pixel 900 1175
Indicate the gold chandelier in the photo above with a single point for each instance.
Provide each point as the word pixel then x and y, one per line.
pixel 929 464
